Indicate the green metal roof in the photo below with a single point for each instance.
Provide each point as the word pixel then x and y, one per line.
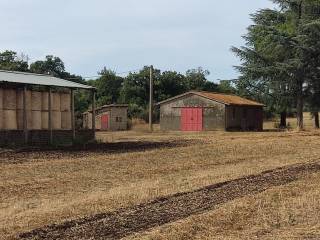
pixel 38 79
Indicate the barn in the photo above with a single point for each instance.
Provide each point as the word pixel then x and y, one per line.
pixel 206 111
pixel 38 109
pixel 113 117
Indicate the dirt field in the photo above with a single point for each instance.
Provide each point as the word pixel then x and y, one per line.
pixel 183 174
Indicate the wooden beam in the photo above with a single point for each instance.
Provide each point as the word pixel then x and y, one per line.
pixel 50 117
pixel 151 99
pixel 73 122
pixel 94 113
pixel 25 115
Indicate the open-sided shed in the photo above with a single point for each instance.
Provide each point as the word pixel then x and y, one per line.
pixel 38 109
pixel 205 111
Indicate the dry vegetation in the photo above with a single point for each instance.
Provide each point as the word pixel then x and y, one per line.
pixel 41 188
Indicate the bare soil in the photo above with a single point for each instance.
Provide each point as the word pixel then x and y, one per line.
pixel 126 221
pixel 31 154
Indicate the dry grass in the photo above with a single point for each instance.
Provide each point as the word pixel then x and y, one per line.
pixel 292 122
pixel 49 188
pixel 287 212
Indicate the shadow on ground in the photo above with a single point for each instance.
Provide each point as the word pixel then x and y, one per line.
pixel 30 154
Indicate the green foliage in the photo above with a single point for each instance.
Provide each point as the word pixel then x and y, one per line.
pixel 51 66
pixel 226 86
pixel 108 87
pixel 9 60
pixel 281 57
pixel 54 66
pixel 170 84
pixel 197 78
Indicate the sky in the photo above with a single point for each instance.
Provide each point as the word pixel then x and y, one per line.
pixel 125 35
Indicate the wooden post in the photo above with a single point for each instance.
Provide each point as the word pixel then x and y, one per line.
pixel 94 113
pixel 25 116
pixel 73 116
pixel 151 99
pixel 50 117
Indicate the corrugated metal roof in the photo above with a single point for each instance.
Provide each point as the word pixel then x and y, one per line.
pixel 226 99
pixel 38 79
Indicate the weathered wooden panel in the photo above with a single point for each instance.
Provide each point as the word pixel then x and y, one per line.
pixel 36 101
pixel 66 120
pixel 10 119
pixel 45 120
pixel 65 100
pixel 56 120
pixel 9 99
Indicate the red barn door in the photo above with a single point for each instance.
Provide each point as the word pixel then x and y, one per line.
pixel 105 122
pixel 191 119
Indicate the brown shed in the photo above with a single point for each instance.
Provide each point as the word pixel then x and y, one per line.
pixel 206 111
pixel 112 117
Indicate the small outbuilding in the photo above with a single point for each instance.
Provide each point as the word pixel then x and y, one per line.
pixel 206 111
pixel 112 117
pixel 38 109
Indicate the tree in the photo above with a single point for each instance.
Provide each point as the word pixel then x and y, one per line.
pixel 303 18
pixel 51 65
pixel 54 66
pixel 108 87
pixel 197 79
pixel 264 71
pixel 9 60
pixel 170 84
pixel 226 86
pixel 135 91
pixel 279 54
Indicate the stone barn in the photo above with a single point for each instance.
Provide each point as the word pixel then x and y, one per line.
pixel 112 117
pixel 38 109
pixel 207 111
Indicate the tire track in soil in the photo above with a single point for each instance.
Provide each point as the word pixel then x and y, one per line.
pixel 126 221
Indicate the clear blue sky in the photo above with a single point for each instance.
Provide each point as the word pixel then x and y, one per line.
pixel 128 34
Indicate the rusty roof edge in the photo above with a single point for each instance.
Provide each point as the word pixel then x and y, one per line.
pixel 256 104
pixel 175 97
pixel 212 99
pixel 198 93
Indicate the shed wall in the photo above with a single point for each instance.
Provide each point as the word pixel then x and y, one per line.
pixel 213 113
pixel 244 118
pixel 117 121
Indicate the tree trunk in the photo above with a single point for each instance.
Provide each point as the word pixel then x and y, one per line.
pixel 283 119
pixel 316 120
pixel 300 107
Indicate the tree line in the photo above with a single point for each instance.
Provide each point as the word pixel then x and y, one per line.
pixel 281 59
pixel 132 89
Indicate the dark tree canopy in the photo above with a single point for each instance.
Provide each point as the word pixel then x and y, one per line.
pixel 9 60
pixel 280 62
